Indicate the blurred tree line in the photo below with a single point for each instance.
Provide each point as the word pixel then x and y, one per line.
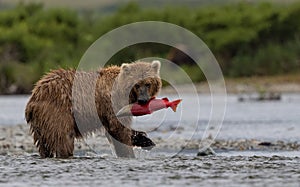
pixel 247 39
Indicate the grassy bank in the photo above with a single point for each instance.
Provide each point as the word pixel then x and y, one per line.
pixel 248 39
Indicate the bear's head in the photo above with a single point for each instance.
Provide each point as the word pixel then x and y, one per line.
pixel 140 80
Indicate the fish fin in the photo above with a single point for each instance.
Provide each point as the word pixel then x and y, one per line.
pixel 165 99
pixel 175 104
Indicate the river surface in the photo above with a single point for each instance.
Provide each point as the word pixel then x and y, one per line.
pixel 29 170
pixel 267 121
pixel 275 120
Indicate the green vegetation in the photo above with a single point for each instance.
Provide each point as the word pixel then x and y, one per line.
pixel 247 39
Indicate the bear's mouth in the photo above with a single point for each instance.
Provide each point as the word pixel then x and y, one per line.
pixel 142 101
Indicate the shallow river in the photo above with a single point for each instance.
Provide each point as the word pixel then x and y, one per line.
pixel 29 170
pixel 276 120
pixel 269 121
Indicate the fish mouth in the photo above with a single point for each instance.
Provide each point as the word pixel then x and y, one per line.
pixel 125 111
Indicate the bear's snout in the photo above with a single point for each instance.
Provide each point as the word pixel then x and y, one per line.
pixel 143 95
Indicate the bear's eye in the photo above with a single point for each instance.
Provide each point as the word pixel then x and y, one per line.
pixel 137 86
pixel 148 85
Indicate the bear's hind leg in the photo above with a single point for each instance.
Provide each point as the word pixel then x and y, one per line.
pixel 65 146
pixel 44 151
pixel 41 144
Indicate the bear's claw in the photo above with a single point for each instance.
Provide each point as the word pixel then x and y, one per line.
pixel 140 139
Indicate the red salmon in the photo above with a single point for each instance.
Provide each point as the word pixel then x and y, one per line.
pixel 150 107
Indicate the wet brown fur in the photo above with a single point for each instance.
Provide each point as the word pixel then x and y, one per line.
pixel 50 110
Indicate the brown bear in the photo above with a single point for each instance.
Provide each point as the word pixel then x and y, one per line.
pixel 57 114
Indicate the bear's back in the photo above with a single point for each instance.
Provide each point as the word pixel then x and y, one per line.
pixel 55 86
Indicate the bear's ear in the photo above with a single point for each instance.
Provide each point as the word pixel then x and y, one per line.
pixel 125 68
pixel 155 65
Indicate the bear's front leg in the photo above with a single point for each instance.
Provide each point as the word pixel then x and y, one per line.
pixel 119 136
pixel 120 149
pixel 124 138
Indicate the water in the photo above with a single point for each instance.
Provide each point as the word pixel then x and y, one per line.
pixel 29 170
pixel 272 120
pixel 12 110
pixel 267 121
pixel 276 120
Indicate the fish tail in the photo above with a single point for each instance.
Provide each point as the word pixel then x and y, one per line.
pixel 174 104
